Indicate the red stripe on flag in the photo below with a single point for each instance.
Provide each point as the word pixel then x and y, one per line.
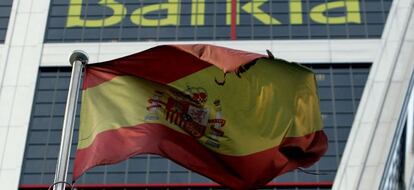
pixel 165 64
pixel 94 76
pixel 162 64
pixel 237 172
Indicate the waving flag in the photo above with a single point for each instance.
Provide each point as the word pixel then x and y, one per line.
pixel 236 117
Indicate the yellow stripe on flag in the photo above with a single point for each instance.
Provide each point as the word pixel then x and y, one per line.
pixel 120 102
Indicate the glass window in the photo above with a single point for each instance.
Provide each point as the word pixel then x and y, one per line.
pixel 157 177
pixel 179 177
pixel 5 9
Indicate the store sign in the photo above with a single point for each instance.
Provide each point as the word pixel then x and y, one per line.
pixel 199 20
pixel 169 13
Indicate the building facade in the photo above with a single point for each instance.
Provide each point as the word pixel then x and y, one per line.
pixel 360 50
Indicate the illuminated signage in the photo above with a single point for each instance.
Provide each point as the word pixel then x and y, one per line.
pixel 131 20
pixel 172 8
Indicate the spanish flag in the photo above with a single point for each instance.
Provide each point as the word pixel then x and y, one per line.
pixel 236 117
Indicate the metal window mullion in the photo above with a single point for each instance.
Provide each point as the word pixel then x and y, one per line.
pixel 251 20
pixel 126 172
pixel 335 126
pixel 271 25
pixel 328 29
pixel 364 15
pixel 308 21
pixel 195 27
pixel 351 76
pixel 168 171
pixel 147 173
pixel 157 33
pixel 215 21
pixel 139 38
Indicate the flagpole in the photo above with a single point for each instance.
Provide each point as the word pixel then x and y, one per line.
pixel 78 60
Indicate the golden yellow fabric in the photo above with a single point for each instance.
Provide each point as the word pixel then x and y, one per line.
pixel 272 100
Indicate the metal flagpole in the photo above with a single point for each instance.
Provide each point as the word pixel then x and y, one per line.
pixel 78 59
